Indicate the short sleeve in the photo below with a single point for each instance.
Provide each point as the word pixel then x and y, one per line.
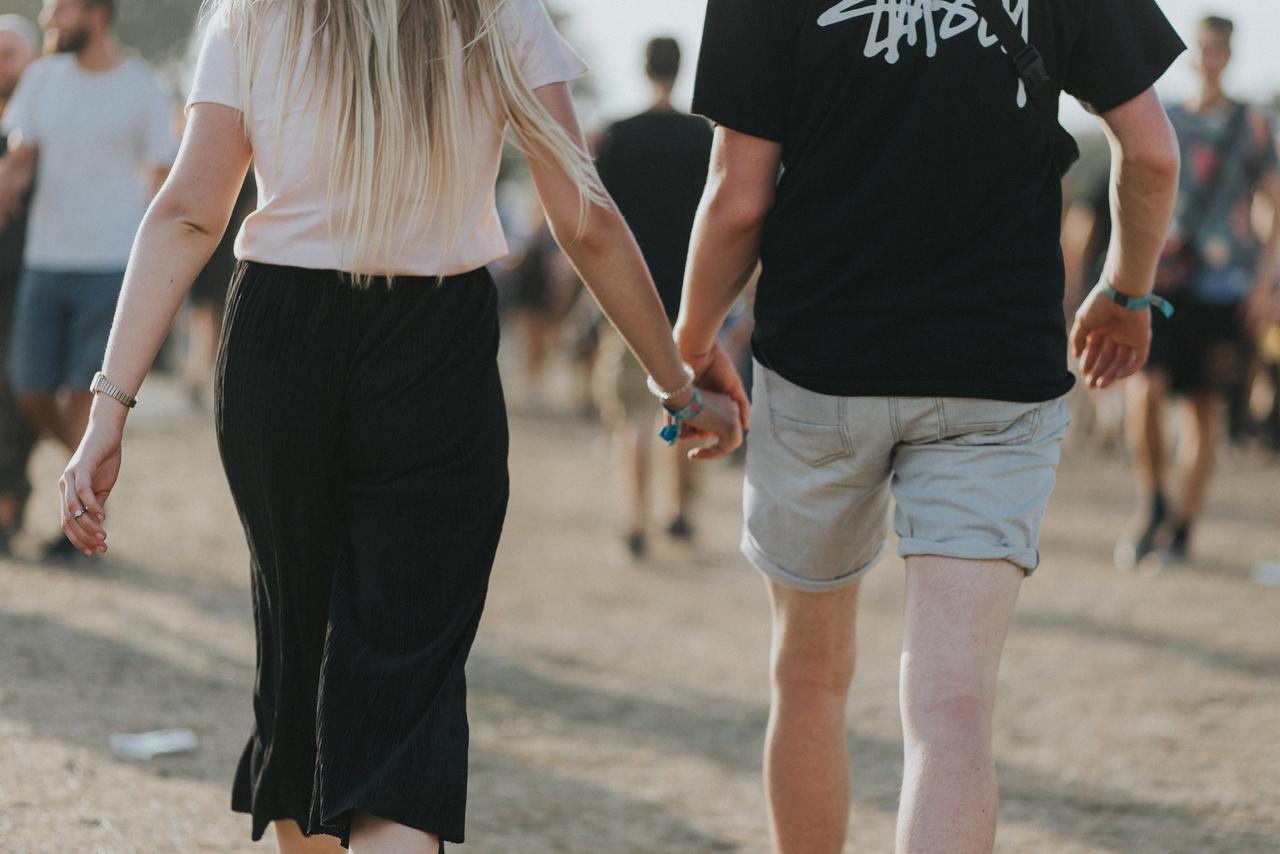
pixel 160 144
pixel 744 68
pixel 20 117
pixel 1122 49
pixel 217 77
pixel 543 55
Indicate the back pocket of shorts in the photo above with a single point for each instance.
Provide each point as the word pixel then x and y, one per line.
pixel 813 444
pixel 990 422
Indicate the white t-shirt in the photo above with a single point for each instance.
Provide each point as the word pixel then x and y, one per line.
pixel 97 134
pixel 293 225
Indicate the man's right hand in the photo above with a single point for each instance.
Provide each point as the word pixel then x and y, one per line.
pixel 1110 341
pixel 713 371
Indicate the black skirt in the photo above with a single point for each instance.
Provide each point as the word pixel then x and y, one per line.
pixel 364 436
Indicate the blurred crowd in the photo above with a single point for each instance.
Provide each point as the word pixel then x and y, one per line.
pixel 108 128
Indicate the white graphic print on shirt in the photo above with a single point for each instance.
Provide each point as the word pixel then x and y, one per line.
pixel 895 21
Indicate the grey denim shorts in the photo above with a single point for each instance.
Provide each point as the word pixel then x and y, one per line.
pixel 970 479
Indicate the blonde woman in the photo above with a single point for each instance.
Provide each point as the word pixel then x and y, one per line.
pixel 359 412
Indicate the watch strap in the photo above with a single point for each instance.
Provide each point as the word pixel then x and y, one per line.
pixel 102 385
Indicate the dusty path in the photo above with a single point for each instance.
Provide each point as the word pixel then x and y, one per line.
pixel 619 708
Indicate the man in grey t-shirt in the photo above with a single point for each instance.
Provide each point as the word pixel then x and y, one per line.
pixel 92 127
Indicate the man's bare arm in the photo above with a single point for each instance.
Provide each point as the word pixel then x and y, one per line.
pixel 1114 342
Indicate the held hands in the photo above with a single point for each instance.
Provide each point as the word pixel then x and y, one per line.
pixel 86 484
pixel 713 371
pixel 1110 341
pixel 720 420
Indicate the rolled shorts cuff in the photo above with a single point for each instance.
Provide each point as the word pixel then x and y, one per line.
pixel 1026 559
pixel 783 577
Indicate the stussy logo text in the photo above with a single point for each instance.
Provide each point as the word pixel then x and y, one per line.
pixel 894 22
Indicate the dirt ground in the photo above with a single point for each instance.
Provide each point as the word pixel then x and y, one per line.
pixel 619 707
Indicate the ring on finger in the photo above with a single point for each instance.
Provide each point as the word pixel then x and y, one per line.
pixel 80 512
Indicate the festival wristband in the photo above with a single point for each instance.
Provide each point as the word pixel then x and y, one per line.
pixel 1155 301
pixel 676 418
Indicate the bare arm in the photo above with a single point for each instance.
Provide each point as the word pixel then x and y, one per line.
pixel 605 253
pixel 182 228
pixel 1114 342
pixel 725 247
pixel 1269 259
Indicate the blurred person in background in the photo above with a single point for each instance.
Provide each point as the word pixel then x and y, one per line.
pixel 91 127
pixel 360 412
pixel 19 47
pixel 911 344
pixel 543 288
pixel 1222 273
pixel 208 300
pixel 654 165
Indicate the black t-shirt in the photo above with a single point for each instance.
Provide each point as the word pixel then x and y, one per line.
pixel 655 167
pixel 914 244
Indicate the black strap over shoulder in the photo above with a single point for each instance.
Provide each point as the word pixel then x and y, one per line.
pixel 1031 68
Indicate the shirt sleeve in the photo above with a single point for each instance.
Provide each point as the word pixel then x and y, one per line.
pixel 160 145
pixel 543 55
pixel 217 77
pixel 1265 156
pixel 20 117
pixel 1122 49
pixel 744 68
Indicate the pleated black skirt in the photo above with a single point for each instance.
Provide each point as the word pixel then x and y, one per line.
pixel 364 436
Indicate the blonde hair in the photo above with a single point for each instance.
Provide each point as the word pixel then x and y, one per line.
pixel 400 79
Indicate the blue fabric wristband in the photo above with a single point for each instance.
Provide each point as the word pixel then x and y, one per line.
pixel 671 432
pixel 1155 301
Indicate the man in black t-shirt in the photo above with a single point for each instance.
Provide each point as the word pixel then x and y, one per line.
pixel 19 47
pixel 900 186
pixel 654 165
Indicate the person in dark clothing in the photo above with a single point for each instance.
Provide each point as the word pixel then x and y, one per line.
pixel 655 167
pixel 209 298
pixel 1222 271
pixel 19 46
pixel 895 169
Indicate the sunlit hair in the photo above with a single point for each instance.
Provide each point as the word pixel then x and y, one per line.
pixel 400 79
pixel 1224 27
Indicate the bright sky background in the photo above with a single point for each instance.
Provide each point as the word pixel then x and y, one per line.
pixel 611 35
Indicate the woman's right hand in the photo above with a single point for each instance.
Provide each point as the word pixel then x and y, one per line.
pixel 86 484
pixel 719 420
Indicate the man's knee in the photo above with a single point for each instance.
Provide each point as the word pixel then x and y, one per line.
pixel 947 715
pixel 814 649
pixel 1149 389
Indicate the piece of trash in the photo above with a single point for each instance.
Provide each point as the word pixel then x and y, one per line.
pixel 149 745
pixel 1267 574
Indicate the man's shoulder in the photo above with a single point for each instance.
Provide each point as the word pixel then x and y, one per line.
pixel 48 66
pixel 138 69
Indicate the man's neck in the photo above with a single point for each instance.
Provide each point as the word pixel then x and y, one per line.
pixel 1211 97
pixel 100 54
pixel 661 100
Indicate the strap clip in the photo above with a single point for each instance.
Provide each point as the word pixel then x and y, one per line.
pixel 1032 69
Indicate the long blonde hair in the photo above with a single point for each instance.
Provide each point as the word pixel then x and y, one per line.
pixel 402 102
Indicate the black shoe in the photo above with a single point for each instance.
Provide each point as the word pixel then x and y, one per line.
pixel 1132 550
pixel 1179 551
pixel 59 551
pixel 636 546
pixel 680 529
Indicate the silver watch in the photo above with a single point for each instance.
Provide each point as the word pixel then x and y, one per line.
pixel 102 385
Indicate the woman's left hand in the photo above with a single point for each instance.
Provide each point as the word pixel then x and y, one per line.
pixel 85 486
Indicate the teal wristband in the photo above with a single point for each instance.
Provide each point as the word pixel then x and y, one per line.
pixel 1159 303
pixel 671 432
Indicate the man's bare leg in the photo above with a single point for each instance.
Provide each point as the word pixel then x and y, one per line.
pixel 806 762
pixel 957 616
pixel 1202 426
